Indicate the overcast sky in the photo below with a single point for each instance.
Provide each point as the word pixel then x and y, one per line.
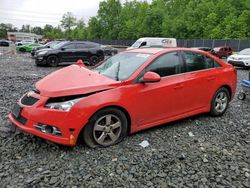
pixel 41 12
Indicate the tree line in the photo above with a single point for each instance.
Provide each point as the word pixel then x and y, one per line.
pixel 211 19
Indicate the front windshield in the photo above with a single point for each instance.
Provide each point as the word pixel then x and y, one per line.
pixel 59 45
pixel 122 66
pixel 245 52
pixel 52 44
pixel 137 44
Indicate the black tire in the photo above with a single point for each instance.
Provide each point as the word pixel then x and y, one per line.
pixel 218 103
pixel 92 135
pixel 93 60
pixel 242 96
pixel 52 61
pixel 22 50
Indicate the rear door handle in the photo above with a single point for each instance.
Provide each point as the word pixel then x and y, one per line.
pixel 178 86
pixel 211 79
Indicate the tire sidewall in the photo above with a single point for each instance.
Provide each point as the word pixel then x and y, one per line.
pixel 91 58
pixel 89 128
pixel 22 50
pixel 213 111
pixel 52 65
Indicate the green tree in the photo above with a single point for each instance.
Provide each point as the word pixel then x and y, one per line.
pixel 68 22
pixel 37 30
pixel 109 18
pixel 79 32
pixel 4 28
pixel 94 30
pixel 26 28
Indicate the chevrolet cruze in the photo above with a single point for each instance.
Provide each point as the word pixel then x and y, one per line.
pixel 129 92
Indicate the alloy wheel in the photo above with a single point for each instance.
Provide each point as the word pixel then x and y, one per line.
pixel 221 102
pixel 107 130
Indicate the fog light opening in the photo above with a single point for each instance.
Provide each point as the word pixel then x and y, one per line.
pixel 48 129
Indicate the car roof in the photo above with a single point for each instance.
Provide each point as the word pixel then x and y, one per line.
pixel 149 50
pixel 200 47
pixel 159 50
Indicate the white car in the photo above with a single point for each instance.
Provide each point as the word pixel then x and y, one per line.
pixel 241 59
pixel 24 42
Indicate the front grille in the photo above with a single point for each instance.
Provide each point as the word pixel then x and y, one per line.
pixel 28 100
pixel 20 119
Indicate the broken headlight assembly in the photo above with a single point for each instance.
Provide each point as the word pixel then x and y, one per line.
pixel 63 105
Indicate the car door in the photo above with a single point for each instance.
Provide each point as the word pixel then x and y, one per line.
pixel 160 100
pixel 82 51
pixel 199 80
pixel 67 53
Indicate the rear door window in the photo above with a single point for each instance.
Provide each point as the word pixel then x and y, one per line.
pixel 196 61
pixel 91 45
pixel 69 46
pixel 80 45
pixel 166 65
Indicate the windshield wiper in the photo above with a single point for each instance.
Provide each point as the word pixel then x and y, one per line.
pixel 117 71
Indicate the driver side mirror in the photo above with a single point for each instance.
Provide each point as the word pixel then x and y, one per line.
pixel 150 77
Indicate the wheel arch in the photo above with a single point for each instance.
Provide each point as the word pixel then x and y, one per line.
pixel 120 108
pixel 52 55
pixel 228 88
pixel 109 106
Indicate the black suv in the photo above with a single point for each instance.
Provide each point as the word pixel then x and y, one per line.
pixel 70 51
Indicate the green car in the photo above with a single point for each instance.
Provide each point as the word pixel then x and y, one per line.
pixel 27 47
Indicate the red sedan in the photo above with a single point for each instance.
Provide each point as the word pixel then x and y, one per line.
pixel 128 92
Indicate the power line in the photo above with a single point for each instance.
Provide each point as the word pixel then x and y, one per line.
pixel 30 20
pixel 28 11
pixel 29 14
pixel 35 12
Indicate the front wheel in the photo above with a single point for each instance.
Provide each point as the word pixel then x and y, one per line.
pixel 220 102
pixel 107 127
pixel 52 61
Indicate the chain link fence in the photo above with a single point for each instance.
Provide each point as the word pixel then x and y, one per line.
pixel 235 44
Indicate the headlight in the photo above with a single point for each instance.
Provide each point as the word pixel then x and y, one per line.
pixel 42 53
pixel 64 106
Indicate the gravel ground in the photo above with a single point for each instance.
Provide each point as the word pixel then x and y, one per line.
pixel 200 151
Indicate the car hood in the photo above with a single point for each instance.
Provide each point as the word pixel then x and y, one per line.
pixel 44 49
pixel 74 80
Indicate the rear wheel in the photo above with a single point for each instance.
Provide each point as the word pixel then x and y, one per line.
pixel 22 50
pixel 52 61
pixel 107 127
pixel 93 60
pixel 220 102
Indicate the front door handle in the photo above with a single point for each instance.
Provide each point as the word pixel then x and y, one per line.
pixel 178 86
